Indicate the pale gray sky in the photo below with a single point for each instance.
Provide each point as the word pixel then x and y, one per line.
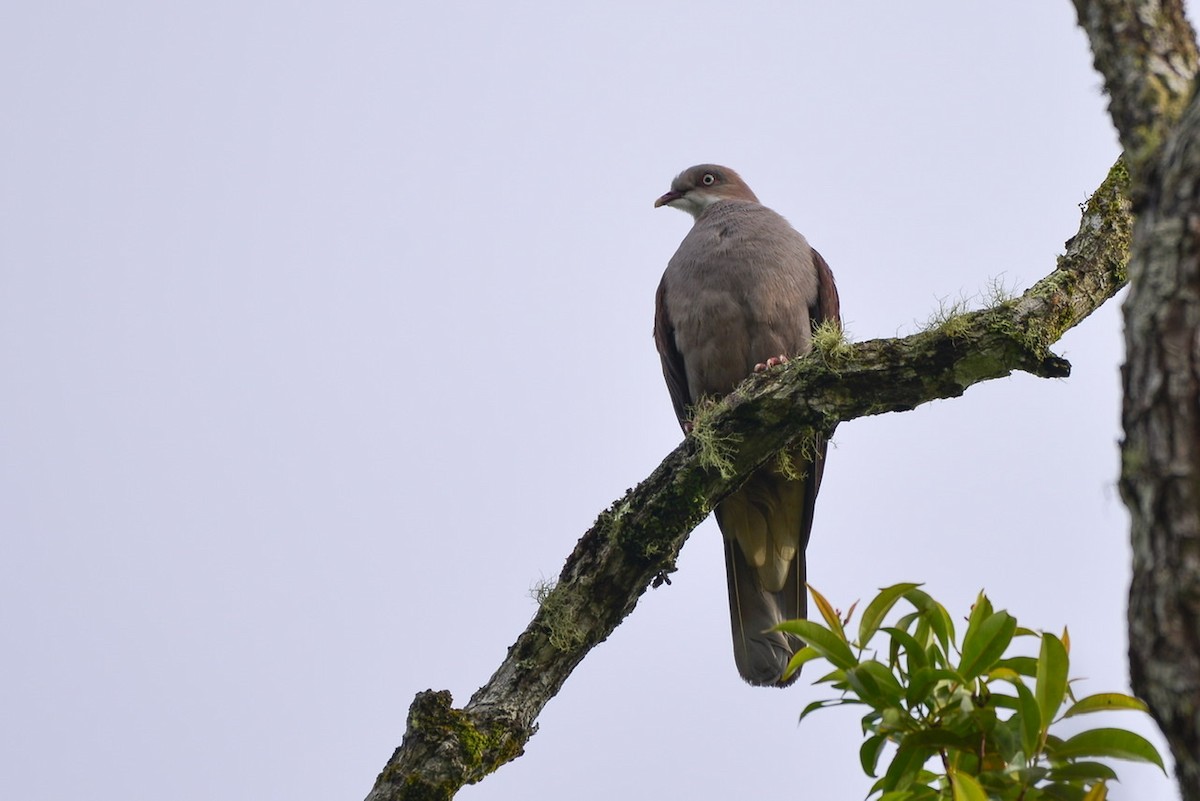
pixel 326 330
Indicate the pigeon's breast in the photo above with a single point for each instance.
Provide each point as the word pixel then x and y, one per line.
pixel 739 291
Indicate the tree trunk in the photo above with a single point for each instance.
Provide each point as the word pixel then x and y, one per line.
pixel 1160 479
pixel 1147 52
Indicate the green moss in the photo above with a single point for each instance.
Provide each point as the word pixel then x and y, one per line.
pixel 505 744
pixel 785 465
pixel 949 318
pixel 787 461
pixel 997 293
pixel 413 788
pixel 978 366
pixel 714 449
pixel 436 722
pixel 1110 209
pixel 830 344
pixel 541 590
pixel 1025 338
pixel 640 532
pixel 616 513
pixel 559 611
pixel 1110 195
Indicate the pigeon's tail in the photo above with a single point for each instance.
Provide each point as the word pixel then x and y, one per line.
pixel 761 654
pixel 766 525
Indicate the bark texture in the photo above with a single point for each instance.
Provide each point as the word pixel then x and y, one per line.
pixel 634 543
pixel 1146 51
pixel 1160 476
pixel 1147 54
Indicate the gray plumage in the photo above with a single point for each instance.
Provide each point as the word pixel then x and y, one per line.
pixel 745 287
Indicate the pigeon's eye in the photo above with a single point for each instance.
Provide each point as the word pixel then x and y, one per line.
pixel 709 179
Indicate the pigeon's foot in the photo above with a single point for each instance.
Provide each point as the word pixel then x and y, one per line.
pixel 774 361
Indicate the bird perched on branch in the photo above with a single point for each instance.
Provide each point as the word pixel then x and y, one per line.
pixel 744 292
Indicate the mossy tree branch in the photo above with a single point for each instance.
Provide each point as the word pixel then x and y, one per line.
pixel 633 544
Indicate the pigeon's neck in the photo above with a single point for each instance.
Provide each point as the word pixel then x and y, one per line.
pixel 720 207
pixel 698 201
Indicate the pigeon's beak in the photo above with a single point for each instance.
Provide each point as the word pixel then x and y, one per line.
pixel 667 198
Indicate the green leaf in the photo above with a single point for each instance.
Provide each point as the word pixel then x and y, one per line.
pixel 835 677
pixel 981 610
pixel 934 615
pixel 1004 744
pixel 985 643
pixel 863 685
pixel 983 718
pixel 832 619
pixel 904 766
pixel 826 642
pixel 923 681
pixel 1059 791
pixel 1069 771
pixel 868 755
pixel 917 792
pixel 805 654
pixel 876 611
pixel 912 648
pixel 1029 775
pixel 887 687
pixel 1051 677
pixel 824 704
pixel 1004 674
pixel 1114 743
pixel 1105 701
pixel 1024 665
pixel 1099 792
pixel 937 739
pixel 1004 701
pixel 893 719
pixel 1031 721
pixel 966 788
pixel 937 656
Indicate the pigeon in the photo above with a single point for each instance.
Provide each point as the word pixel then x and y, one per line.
pixel 744 293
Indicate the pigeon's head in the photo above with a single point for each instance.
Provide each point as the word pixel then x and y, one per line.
pixel 697 188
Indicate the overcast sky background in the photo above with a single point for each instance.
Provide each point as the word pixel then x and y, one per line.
pixel 325 330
